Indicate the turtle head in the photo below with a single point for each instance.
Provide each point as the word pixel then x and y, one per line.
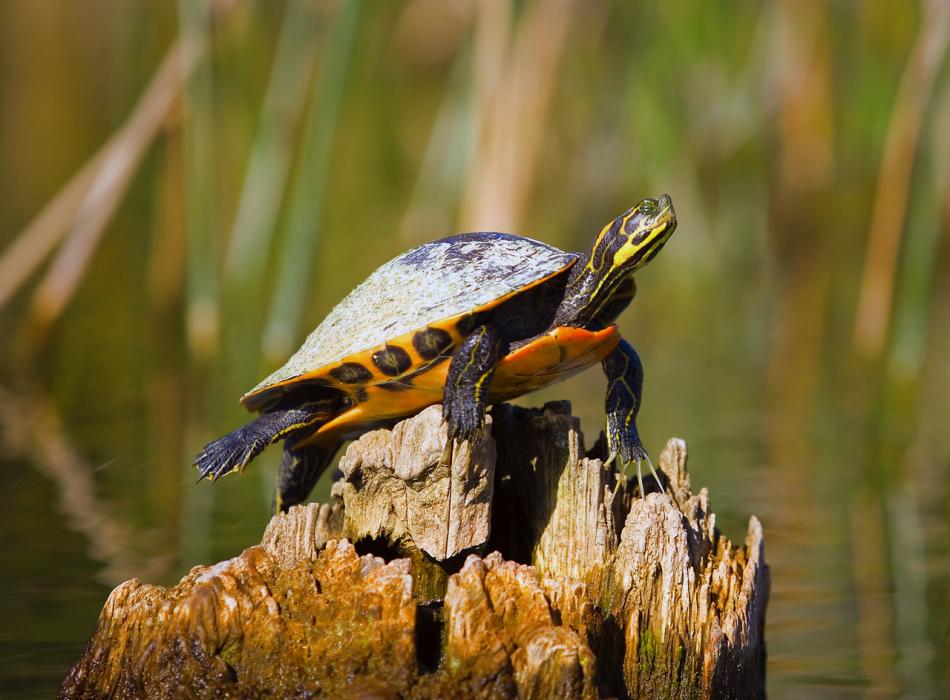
pixel 602 285
pixel 635 237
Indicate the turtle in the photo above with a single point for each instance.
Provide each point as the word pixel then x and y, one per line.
pixel 468 321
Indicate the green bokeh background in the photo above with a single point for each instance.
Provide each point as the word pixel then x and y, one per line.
pixel 800 141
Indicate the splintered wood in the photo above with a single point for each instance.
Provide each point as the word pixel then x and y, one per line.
pixel 412 482
pixel 515 566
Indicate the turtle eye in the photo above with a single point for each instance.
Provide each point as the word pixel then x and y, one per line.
pixel 648 207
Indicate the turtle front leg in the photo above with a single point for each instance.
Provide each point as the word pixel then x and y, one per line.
pixel 469 378
pixel 624 394
pixel 300 469
pixel 235 450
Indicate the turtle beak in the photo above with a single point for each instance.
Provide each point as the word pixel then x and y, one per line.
pixel 656 234
pixel 666 209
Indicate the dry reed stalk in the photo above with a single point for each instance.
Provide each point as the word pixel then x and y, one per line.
pixel 805 116
pixel 272 153
pixel 45 231
pixel 108 179
pixel 895 176
pixel 515 97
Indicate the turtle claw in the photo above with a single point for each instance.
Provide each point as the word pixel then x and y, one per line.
pixel 447 451
pixel 643 493
pixel 622 473
pixel 223 456
pixel 656 476
pixel 641 457
pixel 462 425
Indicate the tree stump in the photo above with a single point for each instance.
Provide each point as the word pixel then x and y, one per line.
pixel 515 566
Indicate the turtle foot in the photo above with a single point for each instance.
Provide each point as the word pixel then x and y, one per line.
pixel 622 477
pixel 629 450
pixel 464 421
pixel 225 455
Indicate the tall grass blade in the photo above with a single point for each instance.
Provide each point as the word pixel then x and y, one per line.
pixel 895 177
pixel 309 188
pixel 100 185
pixel 202 315
pixel 272 152
pixel 510 141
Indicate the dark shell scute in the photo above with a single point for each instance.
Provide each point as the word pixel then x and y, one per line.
pixel 392 360
pixel 351 373
pixel 431 343
pixel 396 385
pixel 466 324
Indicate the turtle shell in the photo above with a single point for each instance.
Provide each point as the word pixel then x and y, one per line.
pixel 407 312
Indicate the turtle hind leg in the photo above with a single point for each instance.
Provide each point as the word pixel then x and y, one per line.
pixel 235 450
pixel 300 469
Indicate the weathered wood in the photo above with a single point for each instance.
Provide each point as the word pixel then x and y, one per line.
pixel 589 590
pixel 250 627
pixel 555 507
pixel 290 537
pixel 412 484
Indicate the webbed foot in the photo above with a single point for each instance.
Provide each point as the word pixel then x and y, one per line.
pixel 227 454
pixel 627 445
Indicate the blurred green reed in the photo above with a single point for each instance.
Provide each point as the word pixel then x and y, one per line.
pixel 209 177
pixel 269 169
pixel 305 208
pixel 202 313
